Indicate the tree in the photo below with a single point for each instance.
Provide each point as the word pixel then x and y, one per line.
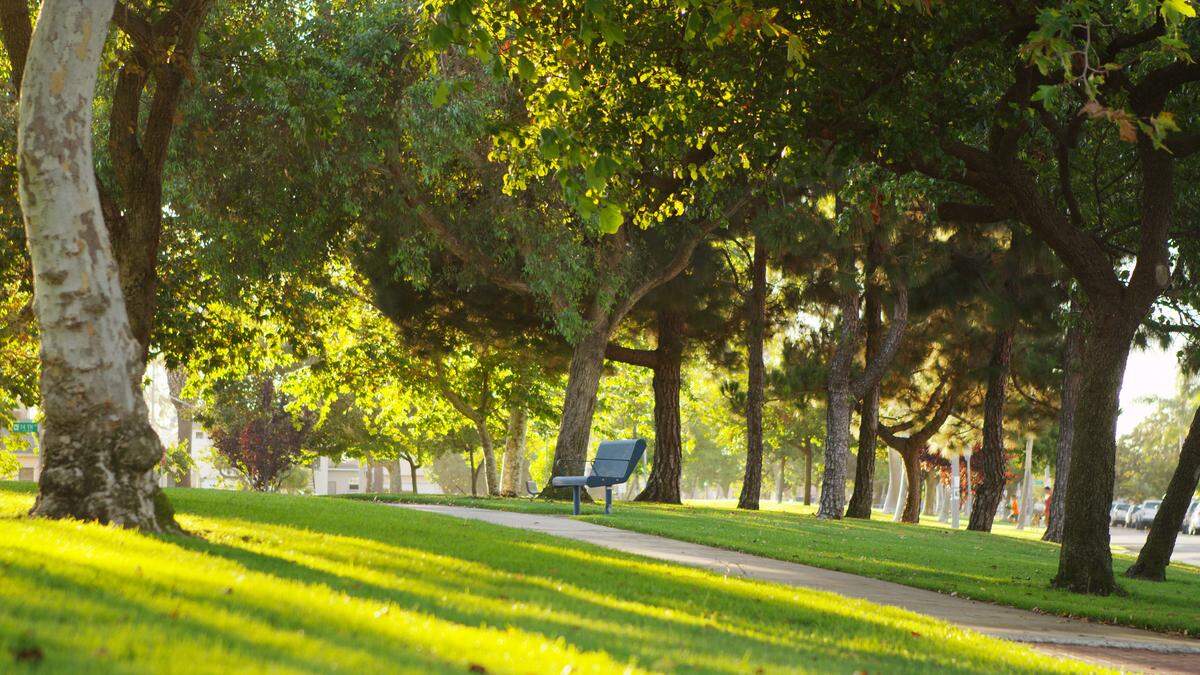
pixel 843 388
pixel 912 446
pixel 1020 149
pixel 756 319
pixel 1155 555
pixel 98 447
pixel 152 70
pixel 254 431
pixel 662 144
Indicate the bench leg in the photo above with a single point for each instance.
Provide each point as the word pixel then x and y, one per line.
pixel 575 495
pixel 608 500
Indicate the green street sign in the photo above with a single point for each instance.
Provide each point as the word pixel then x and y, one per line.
pixel 25 427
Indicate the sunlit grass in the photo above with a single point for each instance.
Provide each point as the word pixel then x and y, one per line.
pixel 1011 567
pixel 279 584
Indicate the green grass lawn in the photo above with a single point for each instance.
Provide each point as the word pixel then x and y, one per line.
pixel 302 584
pixel 1011 570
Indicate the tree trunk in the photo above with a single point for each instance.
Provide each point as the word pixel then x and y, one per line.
pixel 395 477
pixel 514 450
pixel 579 406
pixel 667 470
pixel 779 479
pixel 991 457
pixel 1085 561
pixel 176 379
pixel 842 390
pixel 1072 379
pixel 931 503
pixel 895 470
pixel 412 475
pixel 99 450
pixel 1160 543
pixel 756 319
pixel 491 474
pixel 808 456
pixel 912 475
pixel 473 471
pixel 864 471
pixel 837 445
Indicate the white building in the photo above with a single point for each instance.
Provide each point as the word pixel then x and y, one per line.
pixel 350 477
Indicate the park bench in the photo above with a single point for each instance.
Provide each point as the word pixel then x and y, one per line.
pixel 613 465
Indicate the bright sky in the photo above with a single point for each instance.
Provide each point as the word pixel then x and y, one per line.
pixel 1152 372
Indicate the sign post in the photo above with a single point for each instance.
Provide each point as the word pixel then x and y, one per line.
pixel 24 427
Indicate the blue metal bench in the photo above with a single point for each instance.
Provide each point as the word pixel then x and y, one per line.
pixel 613 465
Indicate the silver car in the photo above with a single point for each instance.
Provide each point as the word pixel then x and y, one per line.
pixel 1144 515
pixel 1116 515
pixel 1191 521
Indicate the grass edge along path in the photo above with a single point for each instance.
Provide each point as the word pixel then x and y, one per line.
pixel 1003 570
pixel 272 583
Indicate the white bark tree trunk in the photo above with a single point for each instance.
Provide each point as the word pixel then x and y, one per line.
pixel 514 450
pixel 99 449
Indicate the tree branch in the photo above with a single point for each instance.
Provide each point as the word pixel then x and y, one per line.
pixel 897 324
pixel 16 28
pixel 645 358
pixel 977 214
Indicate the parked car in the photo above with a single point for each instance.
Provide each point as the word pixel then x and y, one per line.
pixel 1116 515
pixel 1131 514
pixel 1145 513
pixel 1191 521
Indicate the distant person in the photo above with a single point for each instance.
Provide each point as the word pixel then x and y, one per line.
pixel 1014 509
pixel 1041 508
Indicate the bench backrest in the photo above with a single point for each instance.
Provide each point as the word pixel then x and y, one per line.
pixel 616 460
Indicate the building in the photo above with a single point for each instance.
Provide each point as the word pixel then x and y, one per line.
pixel 350 477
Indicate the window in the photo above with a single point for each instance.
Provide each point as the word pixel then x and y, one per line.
pixel 353 487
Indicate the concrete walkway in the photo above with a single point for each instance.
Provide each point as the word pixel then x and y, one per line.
pixel 1114 646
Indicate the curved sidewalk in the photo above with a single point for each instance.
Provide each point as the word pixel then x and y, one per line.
pixel 1113 646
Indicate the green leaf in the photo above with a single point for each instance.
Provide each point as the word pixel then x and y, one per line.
pixel 611 219
pixel 525 68
pixel 441 94
pixel 1175 9
pixel 796 50
pixel 693 26
pixel 440 37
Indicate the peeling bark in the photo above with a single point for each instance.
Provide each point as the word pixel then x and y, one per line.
pixel 514 450
pixel 99 450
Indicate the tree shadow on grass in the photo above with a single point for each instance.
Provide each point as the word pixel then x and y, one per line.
pixel 594 598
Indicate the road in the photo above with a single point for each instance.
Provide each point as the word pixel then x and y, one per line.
pixel 1187 547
